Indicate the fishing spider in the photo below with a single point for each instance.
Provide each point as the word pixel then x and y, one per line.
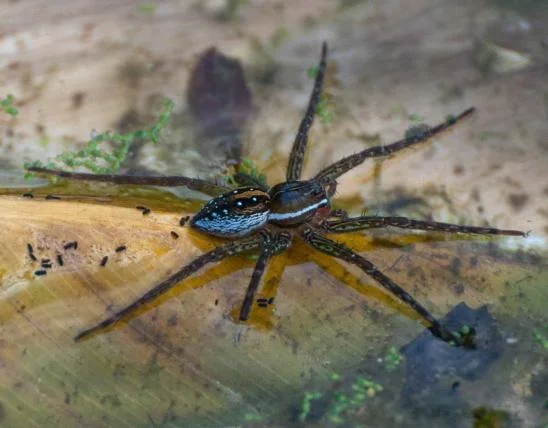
pixel 265 220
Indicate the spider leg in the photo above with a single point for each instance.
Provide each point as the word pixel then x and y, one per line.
pixel 296 157
pixel 174 180
pixel 271 246
pixel 210 257
pixel 342 252
pixel 373 222
pixel 344 165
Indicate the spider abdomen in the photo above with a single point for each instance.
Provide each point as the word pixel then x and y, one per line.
pixel 294 202
pixel 235 213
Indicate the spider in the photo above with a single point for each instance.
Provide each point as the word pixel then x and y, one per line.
pixel 262 219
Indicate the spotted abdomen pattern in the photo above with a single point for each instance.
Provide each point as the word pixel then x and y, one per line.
pixel 235 213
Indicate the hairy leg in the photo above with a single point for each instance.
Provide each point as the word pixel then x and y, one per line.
pixel 344 165
pixel 342 252
pixel 354 224
pixel 166 181
pixel 213 256
pixel 296 158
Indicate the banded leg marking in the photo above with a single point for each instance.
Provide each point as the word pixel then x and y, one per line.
pixel 346 164
pixel 342 252
pixel 167 181
pixel 210 257
pixel 373 222
pixel 271 245
pixel 296 158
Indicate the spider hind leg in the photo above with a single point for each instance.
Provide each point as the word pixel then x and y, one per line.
pixel 355 224
pixel 215 255
pixel 340 251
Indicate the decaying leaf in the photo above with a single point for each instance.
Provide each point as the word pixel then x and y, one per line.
pixel 184 360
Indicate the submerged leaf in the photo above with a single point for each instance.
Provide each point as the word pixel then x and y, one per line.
pixel 185 359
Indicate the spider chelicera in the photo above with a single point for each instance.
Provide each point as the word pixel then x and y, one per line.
pixel 266 220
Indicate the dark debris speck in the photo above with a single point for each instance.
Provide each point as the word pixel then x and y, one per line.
pixel 30 252
pixel 143 209
pixel 72 244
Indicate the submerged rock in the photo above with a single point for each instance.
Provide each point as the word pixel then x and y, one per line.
pixel 430 360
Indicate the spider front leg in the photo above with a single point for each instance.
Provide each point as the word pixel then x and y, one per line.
pixel 354 224
pixel 342 252
pixel 296 158
pixel 338 168
pixel 202 186
pixel 213 256
pixel 272 245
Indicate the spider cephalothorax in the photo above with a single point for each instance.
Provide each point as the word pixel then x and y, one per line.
pixel 235 213
pixel 265 220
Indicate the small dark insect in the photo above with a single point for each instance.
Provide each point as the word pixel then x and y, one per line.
pixel 271 300
pixel 28 195
pixel 104 261
pixel 262 304
pixel 174 235
pixel 145 210
pixel 120 248
pixel 183 220
pixel 266 220
pixel 40 272
pixel 69 245
pixel 45 261
pixel 46 265
pixel 30 252
pixel 216 302
pixel 49 197
pixel 262 300
pixel 60 260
